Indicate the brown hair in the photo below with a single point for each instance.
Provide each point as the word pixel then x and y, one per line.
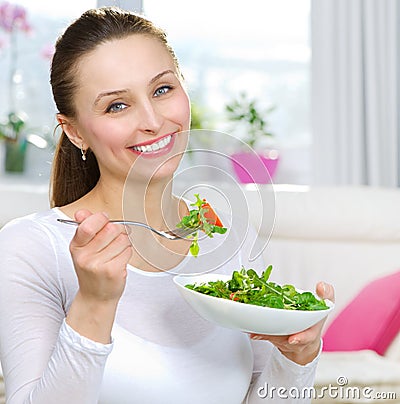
pixel 71 177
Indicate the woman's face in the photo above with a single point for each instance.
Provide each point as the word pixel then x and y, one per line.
pixel 130 107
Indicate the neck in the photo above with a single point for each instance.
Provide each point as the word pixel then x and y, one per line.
pixel 151 203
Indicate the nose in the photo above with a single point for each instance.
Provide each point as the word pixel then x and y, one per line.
pixel 150 118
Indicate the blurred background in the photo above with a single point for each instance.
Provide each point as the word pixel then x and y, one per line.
pixel 226 49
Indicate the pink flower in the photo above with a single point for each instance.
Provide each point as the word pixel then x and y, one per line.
pixel 47 51
pixel 13 16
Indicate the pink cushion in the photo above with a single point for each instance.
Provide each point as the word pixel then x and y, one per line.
pixel 370 321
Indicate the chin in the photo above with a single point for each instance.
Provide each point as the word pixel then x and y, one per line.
pixel 143 171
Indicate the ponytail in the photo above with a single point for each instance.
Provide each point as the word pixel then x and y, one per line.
pixel 71 177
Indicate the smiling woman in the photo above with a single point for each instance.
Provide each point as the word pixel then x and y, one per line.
pixel 106 323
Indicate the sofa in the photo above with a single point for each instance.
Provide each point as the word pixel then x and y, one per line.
pixel 347 236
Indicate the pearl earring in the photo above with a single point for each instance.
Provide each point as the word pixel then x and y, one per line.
pixel 83 152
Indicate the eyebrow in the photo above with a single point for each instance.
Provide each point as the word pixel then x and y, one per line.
pixel 159 75
pixel 124 91
pixel 108 93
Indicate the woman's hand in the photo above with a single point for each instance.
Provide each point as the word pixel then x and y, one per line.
pixel 304 346
pixel 100 251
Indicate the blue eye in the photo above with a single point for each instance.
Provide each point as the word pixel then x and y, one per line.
pixel 162 90
pixel 116 107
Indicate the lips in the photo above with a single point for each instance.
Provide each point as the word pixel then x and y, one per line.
pixel 154 147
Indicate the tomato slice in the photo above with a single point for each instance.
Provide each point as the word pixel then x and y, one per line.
pixel 210 215
pixel 232 296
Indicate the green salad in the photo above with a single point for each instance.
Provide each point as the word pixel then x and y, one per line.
pixel 246 286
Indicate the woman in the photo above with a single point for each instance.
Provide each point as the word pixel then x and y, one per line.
pixel 91 314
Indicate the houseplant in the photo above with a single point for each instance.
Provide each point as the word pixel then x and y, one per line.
pixel 257 161
pixel 15 142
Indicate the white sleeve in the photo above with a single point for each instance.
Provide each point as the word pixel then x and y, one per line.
pixel 43 360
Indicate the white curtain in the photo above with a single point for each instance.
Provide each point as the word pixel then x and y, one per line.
pixel 355 92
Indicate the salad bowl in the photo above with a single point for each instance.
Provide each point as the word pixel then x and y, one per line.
pixel 244 316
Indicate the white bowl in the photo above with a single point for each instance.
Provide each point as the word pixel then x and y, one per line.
pixel 243 316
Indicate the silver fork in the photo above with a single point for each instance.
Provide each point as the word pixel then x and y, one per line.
pixel 174 234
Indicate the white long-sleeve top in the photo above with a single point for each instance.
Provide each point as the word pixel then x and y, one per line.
pixel 162 351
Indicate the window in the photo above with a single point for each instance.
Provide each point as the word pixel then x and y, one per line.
pixel 261 48
pixel 32 89
pixel 224 47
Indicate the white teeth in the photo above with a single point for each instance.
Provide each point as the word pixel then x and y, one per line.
pixel 154 146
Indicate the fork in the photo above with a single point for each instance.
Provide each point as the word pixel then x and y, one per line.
pixel 174 234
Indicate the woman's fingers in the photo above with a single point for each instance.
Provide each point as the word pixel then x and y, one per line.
pixel 118 245
pixel 304 337
pixel 325 291
pixel 307 336
pixel 81 215
pixel 110 236
pixel 96 234
pixel 100 251
pixel 90 225
pixel 96 240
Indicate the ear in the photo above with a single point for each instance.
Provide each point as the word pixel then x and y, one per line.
pixel 70 129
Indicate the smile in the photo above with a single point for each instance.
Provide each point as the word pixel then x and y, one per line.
pixel 150 148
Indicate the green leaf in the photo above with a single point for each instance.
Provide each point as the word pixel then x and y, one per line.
pixel 194 248
pixel 220 230
pixel 267 273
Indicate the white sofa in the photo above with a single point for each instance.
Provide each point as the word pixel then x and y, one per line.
pixel 347 236
pixel 20 197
